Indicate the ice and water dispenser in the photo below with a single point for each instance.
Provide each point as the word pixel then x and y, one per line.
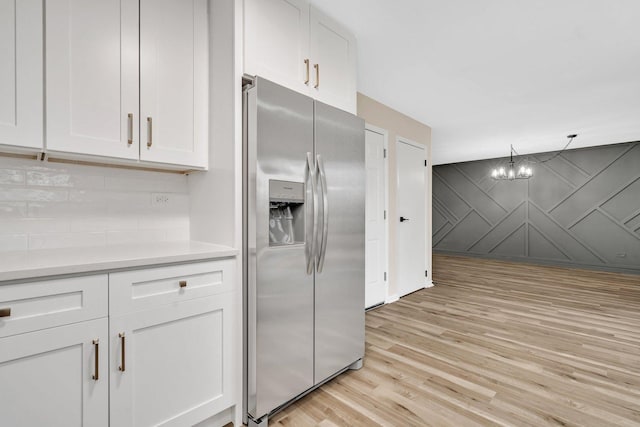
pixel 286 213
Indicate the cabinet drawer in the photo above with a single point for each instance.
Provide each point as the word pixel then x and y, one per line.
pixel 27 307
pixel 131 291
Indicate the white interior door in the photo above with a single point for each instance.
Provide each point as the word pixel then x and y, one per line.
pixel 376 242
pixel 411 248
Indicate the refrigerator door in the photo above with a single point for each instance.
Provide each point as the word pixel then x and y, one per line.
pixel 339 278
pixel 279 128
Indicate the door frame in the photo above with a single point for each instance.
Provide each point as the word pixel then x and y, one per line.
pixel 385 184
pixel 403 140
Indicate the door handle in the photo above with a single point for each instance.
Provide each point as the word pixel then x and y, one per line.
pixel 403 219
pixel 121 368
pixel 306 64
pixel 325 215
pixel 310 240
pixel 149 131
pixel 130 128
pixel 317 68
pixel 96 373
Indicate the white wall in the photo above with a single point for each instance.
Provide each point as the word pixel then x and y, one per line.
pixel 56 205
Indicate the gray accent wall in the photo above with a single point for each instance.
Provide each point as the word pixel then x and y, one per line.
pixel 582 209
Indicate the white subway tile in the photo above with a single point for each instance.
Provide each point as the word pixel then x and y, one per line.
pixel 13 242
pixel 66 209
pixel 122 223
pixel 30 194
pixel 11 177
pixel 34 225
pixel 178 234
pixel 13 210
pixel 66 240
pixel 64 179
pixel 137 236
pixel 88 224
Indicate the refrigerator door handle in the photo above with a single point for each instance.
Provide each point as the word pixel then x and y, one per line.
pixel 310 244
pixel 322 246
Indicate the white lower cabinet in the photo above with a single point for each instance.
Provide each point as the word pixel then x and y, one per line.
pixel 169 363
pixel 164 357
pixel 56 377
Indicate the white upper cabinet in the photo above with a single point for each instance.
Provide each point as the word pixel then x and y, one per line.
pixel 92 77
pixel 333 50
pixel 295 45
pixel 174 90
pixel 128 79
pixel 21 73
pixel 276 44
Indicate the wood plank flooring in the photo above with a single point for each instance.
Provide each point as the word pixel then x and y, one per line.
pixel 493 343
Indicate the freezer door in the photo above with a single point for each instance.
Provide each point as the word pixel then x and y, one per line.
pixel 339 279
pixel 280 289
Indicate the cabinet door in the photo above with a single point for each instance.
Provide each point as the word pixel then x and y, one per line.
pixel 174 89
pixel 21 94
pixel 276 41
pixel 47 377
pixel 92 77
pixel 333 51
pixel 173 364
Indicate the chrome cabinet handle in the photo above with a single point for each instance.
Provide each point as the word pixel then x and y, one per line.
pixel 121 368
pixel 317 68
pixel 325 215
pixel 5 312
pixel 149 131
pixel 130 128
pixel 96 373
pixel 310 244
pixel 306 63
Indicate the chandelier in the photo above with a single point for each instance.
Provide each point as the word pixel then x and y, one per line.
pixel 524 171
pixel 510 172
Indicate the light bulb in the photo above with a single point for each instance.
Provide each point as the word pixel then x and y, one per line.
pixel 502 172
pixel 529 173
pixel 522 170
pixel 494 173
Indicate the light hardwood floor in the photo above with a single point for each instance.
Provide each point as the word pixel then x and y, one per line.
pixel 493 343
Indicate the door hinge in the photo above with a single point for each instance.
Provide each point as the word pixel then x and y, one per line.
pixel 384 153
pixel 425 163
pixel 385 214
pixel 385 276
pixel 426 273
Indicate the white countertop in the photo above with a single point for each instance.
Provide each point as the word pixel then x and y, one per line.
pixel 51 262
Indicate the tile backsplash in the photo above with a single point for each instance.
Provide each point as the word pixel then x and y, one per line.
pixel 54 205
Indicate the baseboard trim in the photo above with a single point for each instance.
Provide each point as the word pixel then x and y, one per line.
pixel 392 298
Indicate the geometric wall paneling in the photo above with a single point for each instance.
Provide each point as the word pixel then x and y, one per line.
pixel 621 205
pixel 453 203
pixel 613 241
pixel 466 189
pixel 617 175
pixel 543 247
pixel 581 208
pixel 513 244
pixel 466 231
pixel 500 231
pixel 549 188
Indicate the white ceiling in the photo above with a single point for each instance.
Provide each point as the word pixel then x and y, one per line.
pixel 488 73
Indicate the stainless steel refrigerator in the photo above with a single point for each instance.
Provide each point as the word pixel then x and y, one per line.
pixel 304 244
